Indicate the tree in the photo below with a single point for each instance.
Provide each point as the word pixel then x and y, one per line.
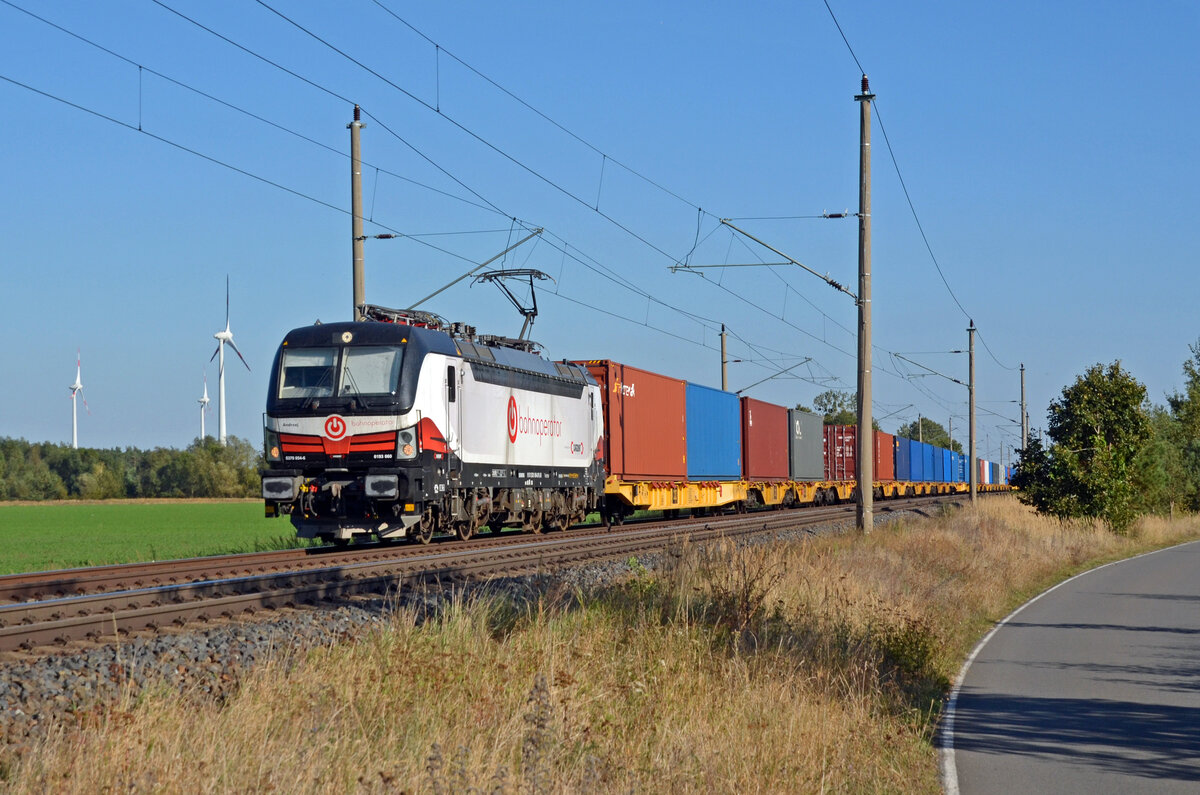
pixel 839 408
pixel 1185 411
pixel 1096 430
pixel 929 431
pixel 1160 476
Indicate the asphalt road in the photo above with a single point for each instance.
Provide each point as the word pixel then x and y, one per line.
pixel 1093 687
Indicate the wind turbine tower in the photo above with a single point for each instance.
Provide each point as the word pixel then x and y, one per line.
pixel 204 401
pixel 222 337
pixel 76 389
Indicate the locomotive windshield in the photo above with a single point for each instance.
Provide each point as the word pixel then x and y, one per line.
pixel 340 372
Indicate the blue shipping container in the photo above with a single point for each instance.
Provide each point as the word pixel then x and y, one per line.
pixel 928 466
pixel 947 465
pixel 918 461
pixel 903 459
pixel 714 434
pixel 939 466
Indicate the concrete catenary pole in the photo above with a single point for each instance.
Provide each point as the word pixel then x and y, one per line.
pixel 866 439
pixel 1024 416
pixel 971 421
pixel 724 363
pixel 356 224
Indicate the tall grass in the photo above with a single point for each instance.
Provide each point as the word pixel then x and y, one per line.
pixel 783 667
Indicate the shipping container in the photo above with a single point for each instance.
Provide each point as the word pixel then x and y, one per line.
pixel 903 459
pixel 885 456
pixel 918 461
pixel 841 452
pixel 764 440
pixel 806 448
pixel 645 422
pixel 957 466
pixel 939 466
pixel 947 465
pixel 714 434
pixel 927 466
pixel 995 473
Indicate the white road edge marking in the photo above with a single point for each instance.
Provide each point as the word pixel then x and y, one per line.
pixel 946 733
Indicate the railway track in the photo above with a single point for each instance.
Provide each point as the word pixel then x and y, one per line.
pixel 110 602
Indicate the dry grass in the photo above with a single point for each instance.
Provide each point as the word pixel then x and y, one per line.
pixel 798 667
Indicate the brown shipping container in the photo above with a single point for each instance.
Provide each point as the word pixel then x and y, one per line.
pixel 764 440
pixel 645 422
pixel 885 456
pixel 841 452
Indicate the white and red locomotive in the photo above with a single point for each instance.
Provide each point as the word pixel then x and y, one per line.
pixel 411 426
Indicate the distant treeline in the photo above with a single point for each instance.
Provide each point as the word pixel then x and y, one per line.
pixel 45 471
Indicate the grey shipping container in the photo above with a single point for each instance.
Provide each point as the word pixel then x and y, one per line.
pixel 806 447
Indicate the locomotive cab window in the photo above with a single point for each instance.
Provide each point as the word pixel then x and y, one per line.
pixel 307 373
pixel 373 370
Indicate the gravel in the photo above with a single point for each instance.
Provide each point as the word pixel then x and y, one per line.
pixel 70 684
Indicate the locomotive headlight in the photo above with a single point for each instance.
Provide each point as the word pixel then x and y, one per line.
pixel 406 444
pixel 271 445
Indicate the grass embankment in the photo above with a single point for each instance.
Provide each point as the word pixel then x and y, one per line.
pixel 796 667
pixel 62 535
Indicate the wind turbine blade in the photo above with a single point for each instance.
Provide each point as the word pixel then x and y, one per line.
pixel 239 353
pixel 218 350
pixel 85 405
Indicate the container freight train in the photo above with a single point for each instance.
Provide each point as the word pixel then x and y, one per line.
pixel 410 426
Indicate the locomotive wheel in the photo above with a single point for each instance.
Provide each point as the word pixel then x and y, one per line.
pixel 424 528
pixel 464 530
pixel 533 521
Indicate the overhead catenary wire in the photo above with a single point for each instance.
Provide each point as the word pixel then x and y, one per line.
pixel 468 131
pixel 474 135
pixel 489 205
pixel 606 157
pixel 907 196
pixel 388 129
pixel 620 280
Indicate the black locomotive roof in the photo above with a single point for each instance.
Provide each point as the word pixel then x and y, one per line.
pixel 429 340
pixel 420 341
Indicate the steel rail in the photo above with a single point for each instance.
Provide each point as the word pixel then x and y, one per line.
pixel 109 616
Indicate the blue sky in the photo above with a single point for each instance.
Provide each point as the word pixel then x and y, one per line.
pixel 1046 147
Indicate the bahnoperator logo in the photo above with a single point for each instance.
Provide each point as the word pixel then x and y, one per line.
pixel 625 390
pixel 523 425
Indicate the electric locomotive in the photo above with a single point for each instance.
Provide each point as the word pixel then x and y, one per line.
pixel 409 426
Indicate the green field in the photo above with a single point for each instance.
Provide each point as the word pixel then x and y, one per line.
pixel 35 537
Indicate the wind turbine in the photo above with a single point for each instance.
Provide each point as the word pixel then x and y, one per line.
pixel 223 337
pixel 204 401
pixel 76 389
